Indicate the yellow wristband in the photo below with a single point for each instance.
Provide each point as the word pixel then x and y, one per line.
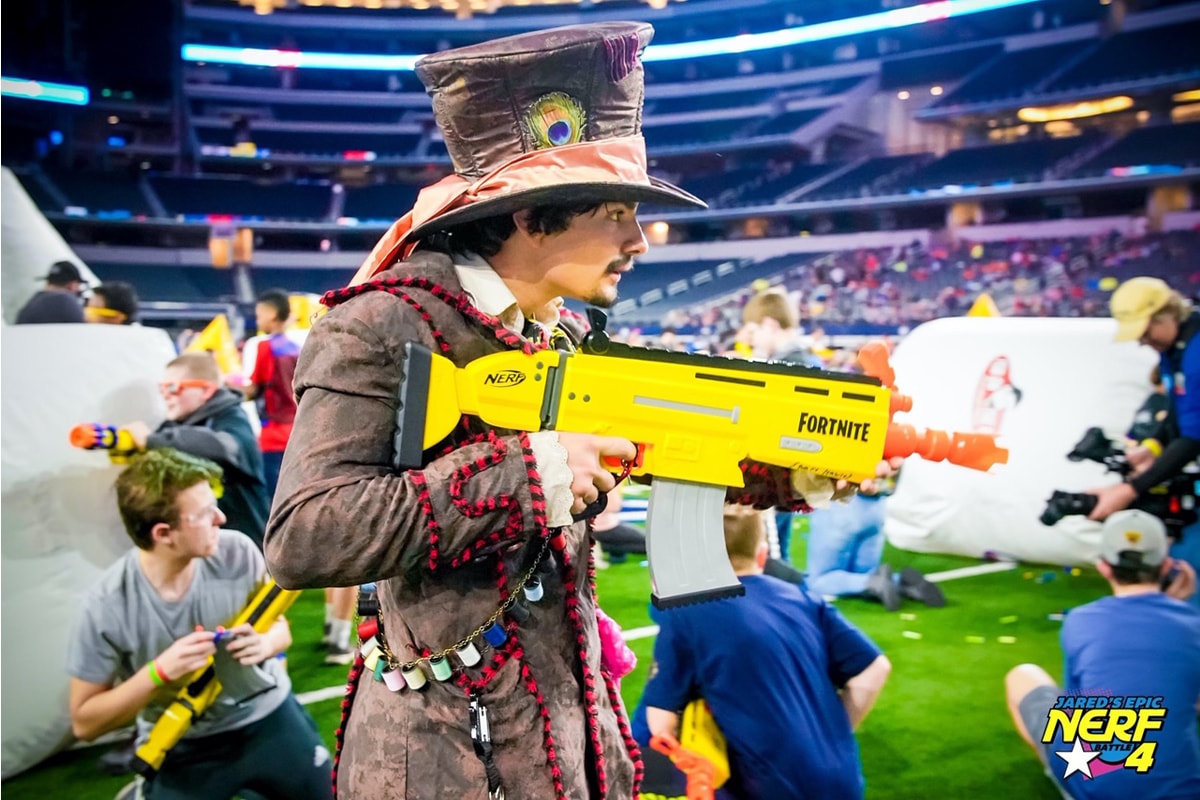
pixel 1153 445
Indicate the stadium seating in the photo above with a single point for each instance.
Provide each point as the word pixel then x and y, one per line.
pixel 1161 145
pixel 102 193
pixel 1136 55
pixel 1013 74
pixel 1019 162
pixel 202 196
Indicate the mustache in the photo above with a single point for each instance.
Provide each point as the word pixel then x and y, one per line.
pixel 620 264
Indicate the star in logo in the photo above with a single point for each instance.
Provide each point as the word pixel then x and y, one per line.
pixel 1078 759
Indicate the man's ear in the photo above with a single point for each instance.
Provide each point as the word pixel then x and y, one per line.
pixel 1105 569
pixel 521 220
pixel 160 533
pixel 761 555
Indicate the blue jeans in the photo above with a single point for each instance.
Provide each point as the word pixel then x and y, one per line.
pixel 845 544
pixel 783 526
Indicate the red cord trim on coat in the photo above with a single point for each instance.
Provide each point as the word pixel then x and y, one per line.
pixel 631 745
pixel 339 735
pixel 589 680
pixel 548 742
pixel 459 302
pixel 492 504
pixel 431 524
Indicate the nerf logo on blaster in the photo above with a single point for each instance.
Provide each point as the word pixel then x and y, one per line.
pixel 832 426
pixel 505 377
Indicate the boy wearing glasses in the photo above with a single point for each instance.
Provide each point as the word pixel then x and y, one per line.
pixel 205 419
pixel 150 622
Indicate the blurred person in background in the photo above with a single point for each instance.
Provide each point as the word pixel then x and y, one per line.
pixel 112 303
pixel 1150 312
pixel 206 419
pixel 59 301
pixel 771 330
pixel 1139 642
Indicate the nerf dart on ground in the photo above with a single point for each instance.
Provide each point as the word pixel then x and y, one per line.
pixel 694 418
pixel 93 436
pixel 202 687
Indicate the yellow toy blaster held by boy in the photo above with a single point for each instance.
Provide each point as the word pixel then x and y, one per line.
pixel 202 686
pixel 694 419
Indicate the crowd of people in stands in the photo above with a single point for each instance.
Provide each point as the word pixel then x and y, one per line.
pixel 903 286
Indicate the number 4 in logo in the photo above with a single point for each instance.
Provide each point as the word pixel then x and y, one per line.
pixel 1142 759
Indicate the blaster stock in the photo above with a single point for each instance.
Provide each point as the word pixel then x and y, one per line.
pixel 694 419
pixel 202 686
pixel 93 436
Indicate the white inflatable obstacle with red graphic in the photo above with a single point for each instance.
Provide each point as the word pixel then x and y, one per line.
pixel 1039 384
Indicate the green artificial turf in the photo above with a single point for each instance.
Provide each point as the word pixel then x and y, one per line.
pixel 939 730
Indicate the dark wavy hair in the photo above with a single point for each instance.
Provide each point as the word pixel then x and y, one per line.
pixel 486 236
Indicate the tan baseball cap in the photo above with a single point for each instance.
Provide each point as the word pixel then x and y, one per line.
pixel 1133 538
pixel 1133 304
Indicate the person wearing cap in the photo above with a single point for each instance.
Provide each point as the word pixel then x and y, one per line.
pixel 112 303
pixel 1150 312
pixel 484 582
pixel 1139 642
pixel 59 302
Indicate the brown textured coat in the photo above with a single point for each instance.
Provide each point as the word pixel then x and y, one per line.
pixel 443 544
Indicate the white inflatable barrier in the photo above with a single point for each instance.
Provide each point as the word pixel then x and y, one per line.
pixel 1038 384
pixel 60 528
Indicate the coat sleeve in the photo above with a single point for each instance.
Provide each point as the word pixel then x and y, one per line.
pixel 342 515
pixel 766 486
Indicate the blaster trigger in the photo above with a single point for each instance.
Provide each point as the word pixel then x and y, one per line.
pixel 626 467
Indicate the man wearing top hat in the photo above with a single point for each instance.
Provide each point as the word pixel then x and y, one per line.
pixel 485 584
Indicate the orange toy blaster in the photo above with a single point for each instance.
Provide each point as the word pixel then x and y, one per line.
pixel 694 418
pixel 93 436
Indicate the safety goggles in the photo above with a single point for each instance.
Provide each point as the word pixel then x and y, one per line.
pixel 97 314
pixel 175 388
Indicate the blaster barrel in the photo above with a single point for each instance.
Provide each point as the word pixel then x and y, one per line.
pixel 973 450
pixel 94 436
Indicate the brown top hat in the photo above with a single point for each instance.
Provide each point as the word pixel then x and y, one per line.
pixel 542 117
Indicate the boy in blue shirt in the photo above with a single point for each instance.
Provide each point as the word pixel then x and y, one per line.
pixel 1139 643
pixel 788 679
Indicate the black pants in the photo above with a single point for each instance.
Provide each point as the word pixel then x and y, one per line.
pixel 623 539
pixel 280 757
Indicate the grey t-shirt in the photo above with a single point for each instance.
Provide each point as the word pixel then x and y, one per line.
pixel 125 623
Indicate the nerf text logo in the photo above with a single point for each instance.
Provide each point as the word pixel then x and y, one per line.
pixel 831 426
pixel 504 378
pixel 1108 733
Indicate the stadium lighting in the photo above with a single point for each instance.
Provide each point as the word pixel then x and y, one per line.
pixel 833 29
pixel 44 90
pixel 1086 108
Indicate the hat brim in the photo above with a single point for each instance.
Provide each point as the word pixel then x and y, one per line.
pixel 1130 330
pixel 658 192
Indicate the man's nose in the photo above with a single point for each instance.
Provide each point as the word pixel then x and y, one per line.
pixel 637 245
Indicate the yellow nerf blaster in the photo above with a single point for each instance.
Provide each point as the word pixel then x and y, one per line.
pixel 202 687
pixel 694 419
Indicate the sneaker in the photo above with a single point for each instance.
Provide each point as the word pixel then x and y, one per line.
pixel 339 655
pixel 916 586
pixel 882 588
pixel 783 571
